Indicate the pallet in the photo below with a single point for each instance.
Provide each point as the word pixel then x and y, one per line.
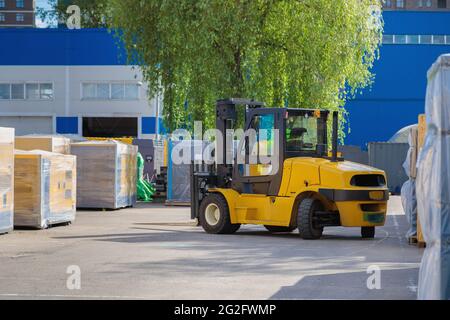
pixel 416 242
pixel 177 203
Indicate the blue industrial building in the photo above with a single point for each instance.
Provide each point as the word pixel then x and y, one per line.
pixel 89 85
pixel 397 95
pixel 413 41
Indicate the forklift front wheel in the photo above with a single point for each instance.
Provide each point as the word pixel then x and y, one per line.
pixel 215 216
pixel 306 220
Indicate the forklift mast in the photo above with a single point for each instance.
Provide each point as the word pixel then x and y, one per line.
pixel 226 117
pixel 220 174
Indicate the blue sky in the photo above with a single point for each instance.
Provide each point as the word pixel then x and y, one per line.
pixel 41 4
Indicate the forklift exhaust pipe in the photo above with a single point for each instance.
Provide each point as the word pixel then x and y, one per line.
pixel 335 136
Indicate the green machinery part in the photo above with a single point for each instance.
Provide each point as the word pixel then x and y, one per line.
pixel 145 190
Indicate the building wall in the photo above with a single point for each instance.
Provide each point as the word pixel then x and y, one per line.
pixel 10 10
pixel 67 93
pixel 397 95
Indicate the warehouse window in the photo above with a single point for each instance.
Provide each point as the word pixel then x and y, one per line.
pixel 110 91
pixel 400 3
pixel 416 39
pixel 5 91
pixel 46 91
pixel 412 39
pixel 426 39
pixel 2 3
pixel 424 3
pixel 32 90
pixel 20 17
pixel 17 91
pixel 19 4
pixel 400 39
pixel 388 39
pixel 438 39
pixel 2 17
pixel 28 91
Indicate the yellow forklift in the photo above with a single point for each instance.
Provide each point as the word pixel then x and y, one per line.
pixel 309 188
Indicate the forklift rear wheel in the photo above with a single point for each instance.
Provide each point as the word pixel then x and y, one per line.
pixel 305 218
pixel 215 216
pixel 275 229
pixel 368 232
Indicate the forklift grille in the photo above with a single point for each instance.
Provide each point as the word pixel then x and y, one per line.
pixel 368 180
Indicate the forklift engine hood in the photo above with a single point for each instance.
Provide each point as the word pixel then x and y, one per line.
pixel 340 174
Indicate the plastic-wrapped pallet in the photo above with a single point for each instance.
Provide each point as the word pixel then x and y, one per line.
pixel 181 154
pixel 50 143
pixel 45 188
pixel 6 179
pixel 433 185
pixel 106 174
pixel 408 191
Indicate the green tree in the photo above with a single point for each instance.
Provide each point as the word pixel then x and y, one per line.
pixel 296 53
pixel 94 13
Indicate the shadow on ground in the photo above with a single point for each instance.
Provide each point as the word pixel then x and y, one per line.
pixel 394 284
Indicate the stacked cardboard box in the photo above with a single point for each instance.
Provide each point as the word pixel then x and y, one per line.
pixel 106 174
pixel 6 179
pixel 58 144
pixel 45 188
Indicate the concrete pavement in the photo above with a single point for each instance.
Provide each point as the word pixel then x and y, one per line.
pixel 155 252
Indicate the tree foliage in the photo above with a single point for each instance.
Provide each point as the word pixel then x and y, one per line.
pixel 94 13
pixel 296 53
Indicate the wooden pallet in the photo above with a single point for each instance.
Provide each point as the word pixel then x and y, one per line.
pixel 415 242
pixel 177 203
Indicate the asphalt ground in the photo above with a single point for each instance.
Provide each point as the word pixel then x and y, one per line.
pixel 156 252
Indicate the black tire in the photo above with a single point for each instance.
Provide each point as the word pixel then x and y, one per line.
pixel 276 229
pixel 305 219
pixel 223 224
pixel 368 232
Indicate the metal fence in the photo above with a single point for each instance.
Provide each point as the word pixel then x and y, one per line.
pixel 390 157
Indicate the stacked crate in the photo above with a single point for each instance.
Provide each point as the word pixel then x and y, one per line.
pixel 57 144
pixel 45 189
pixel 106 174
pixel 6 179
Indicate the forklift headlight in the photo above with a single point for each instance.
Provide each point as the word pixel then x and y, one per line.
pixel 376 195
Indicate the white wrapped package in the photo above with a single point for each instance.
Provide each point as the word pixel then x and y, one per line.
pixel 106 174
pixel 433 185
pixel 411 158
pixel 408 192
pixel 409 203
pixel 6 179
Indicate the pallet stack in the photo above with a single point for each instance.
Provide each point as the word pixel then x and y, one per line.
pixel 106 174
pixel 50 143
pixel 45 189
